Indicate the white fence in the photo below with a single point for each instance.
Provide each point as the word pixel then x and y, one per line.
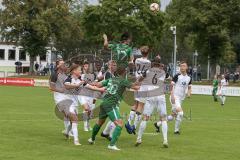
pixel 196 89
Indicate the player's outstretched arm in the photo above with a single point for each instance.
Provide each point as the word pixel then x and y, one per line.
pixel 52 87
pixel 105 43
pixel 73 86
pixel 95 88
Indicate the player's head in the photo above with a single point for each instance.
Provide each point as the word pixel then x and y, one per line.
pixel 223 76
pixel 144 50
pixel 183 67
pixel 60 65
pixel 156 62
pixel 126 38
pixel 112 65
pixel 86 65
pixel 75 70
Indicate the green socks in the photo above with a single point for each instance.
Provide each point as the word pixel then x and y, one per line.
pixel 95 131
pixel 115 136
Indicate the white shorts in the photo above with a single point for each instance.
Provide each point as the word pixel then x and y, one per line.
pixel 86 100
pixel 178 103
pixel 223 92
pixel 138 96
pixel 58 97
pixel 158 103
pixel 73 109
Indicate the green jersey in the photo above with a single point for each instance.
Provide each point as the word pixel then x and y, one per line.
pixel 115 88
pixel 215 83
pixel 121 53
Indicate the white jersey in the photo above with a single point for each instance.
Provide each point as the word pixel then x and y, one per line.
pixel 88 78
pixel 181 83
pixel 142 65
pixel 223 89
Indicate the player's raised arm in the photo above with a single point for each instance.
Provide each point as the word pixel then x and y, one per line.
pixel 95 88
pixel 105 41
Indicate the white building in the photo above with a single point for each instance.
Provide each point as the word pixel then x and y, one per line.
pixel 10 54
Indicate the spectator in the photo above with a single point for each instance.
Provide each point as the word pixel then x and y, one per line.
pixel 36 66
pixel 199 73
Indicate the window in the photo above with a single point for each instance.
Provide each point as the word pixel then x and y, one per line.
pixel 43 57
pixel 22 55
pixel 2 55
pixel 11 54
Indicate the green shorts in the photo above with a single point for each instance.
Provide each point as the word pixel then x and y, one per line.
pixel 112 113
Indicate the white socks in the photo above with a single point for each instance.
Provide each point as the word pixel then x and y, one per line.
pixel 66 124
pixel 223 98
pixel 75 131
pixel 137 120
pixel 131 117
pixel 107 129
pixel 141 129
pixel 164 130
pixel 178 121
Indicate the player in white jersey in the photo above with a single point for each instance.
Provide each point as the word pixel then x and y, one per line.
pixel 56 85
pixel 181 83
pixel 155 78
pixel 222 90
pixel 142 65
pixel 74 84
pixel 87 96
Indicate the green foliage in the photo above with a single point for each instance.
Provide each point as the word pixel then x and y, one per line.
pixel 114 17
pixel 212 24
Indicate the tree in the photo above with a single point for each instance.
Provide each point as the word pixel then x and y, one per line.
pixel 209 24
pixel 34 24
pixel 114 17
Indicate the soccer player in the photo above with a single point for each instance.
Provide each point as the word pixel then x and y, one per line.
pixel 87 96
pixel 57 86
pixel 215 88
pixel 74 84
pixel 180 83
pixel 110 73
pixel 142 65
pixel 109 107
pixel 122 52
pixel 222 90
pixel 155 78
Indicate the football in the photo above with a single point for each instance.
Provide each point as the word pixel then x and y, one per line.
pixel 154 7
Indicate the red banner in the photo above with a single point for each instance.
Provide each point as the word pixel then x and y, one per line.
pixel 17 81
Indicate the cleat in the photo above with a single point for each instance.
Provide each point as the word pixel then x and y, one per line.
pixel 177 132
pixel 76 143
pixel 106 136
pixel 113 148
pixel 90 141
pixel 157 127
pixel 165 144
pixel 128 128
pixel 134 130
pixel 139 141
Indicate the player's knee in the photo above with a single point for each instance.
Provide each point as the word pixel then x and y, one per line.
pixel 163 117
pixel 73 117
pixel 179 115
pixel 119 123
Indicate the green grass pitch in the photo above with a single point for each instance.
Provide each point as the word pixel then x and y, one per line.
pixel 29 130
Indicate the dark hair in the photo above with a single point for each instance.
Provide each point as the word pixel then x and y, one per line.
pixel 85 62
pixel 73 67
pixel 125 36
pixel 156 61
pixel 57 63
pixel 182 62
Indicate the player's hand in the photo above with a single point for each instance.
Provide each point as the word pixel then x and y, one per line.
pixel 104 36
pixel 102 90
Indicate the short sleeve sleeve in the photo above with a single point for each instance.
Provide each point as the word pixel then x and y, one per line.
pixel 68 80
pixel 53 77
pixel 175 78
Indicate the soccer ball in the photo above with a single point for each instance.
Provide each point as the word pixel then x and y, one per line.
pixel 154 7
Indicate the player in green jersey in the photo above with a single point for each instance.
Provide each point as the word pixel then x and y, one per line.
pixel 115 88
pixel 215 88
pixel 122 52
